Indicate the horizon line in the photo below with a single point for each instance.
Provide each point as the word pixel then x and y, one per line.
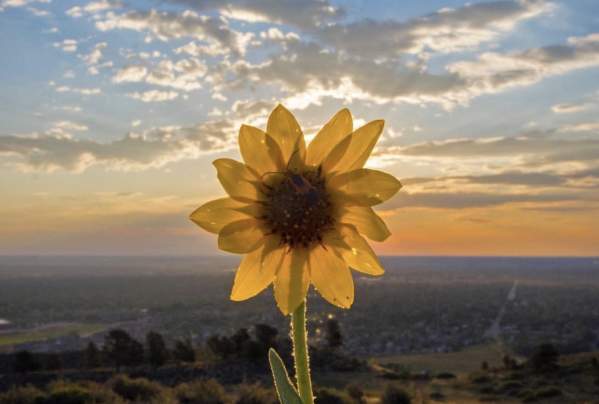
pixel 239 256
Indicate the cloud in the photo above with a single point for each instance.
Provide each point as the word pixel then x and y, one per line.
pixel 92 8
pixel 582 127
pixel 70 126
pixel 69 108
pixel 133 73
pixel 306 14
pixel 168 25
pixel 193 49
pixel 4 4
pixel 465 200
pixel 444 31
pixel 94 57
pixel 181 75
pixel 154 96
pixel 494 72
pixel 37 12
pixel 529 179
pixel 67 45
pixel 311 73
pixel 80 90
pixel 275 34
pixel 537 147
pixel 153 148
pixel 570 107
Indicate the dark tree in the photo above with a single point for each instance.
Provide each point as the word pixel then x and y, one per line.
pixel 157 352
pixel 26 362
pixel 333 334
pixel 92 356
pixel 53 362
pixel 223 347
pixel 266 335
pixel 184 351
pixel 240 340
pixel 544 358
pixel 122 350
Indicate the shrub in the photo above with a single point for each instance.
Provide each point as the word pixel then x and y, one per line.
pixel 548 392
pixel 487 390
pixel 101 394
pixel 26 361
pixel 256 394
pixel 445 375
pixel 395 395
pixel 544 358
pixel 22 395
pixel 331 396
pixel 511 386
pixel 479 378
pixel 136 389
pixel 356 393
pixel 184 351
pixel 201 392
pixel 527 395
pixel 67 393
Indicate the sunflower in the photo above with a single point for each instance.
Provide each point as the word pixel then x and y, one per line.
pixel 297 212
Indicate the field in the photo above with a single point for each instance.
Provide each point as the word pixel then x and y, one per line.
pixel 48 331
pixel 464 361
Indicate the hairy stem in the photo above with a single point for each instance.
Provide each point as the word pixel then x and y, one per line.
pixel 300 353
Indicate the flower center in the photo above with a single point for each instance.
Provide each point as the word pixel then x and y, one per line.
pixel 298 207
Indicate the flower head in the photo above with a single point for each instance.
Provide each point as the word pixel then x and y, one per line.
pixel 297 212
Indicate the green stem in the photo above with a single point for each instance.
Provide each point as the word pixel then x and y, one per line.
pixel 300 353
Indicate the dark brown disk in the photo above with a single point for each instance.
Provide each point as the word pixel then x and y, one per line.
pixel 298 207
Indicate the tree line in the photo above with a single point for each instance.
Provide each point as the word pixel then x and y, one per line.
pixel 121 350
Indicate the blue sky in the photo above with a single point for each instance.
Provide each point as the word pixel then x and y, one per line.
pixel 111 112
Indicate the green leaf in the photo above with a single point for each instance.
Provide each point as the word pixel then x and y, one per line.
pixel 285 389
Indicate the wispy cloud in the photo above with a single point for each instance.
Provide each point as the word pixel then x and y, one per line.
pixel 135 151
pixel 154 96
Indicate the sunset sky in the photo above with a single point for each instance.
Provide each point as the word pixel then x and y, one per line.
pixel 111 113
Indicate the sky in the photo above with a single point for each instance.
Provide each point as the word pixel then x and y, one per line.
pixel 111 113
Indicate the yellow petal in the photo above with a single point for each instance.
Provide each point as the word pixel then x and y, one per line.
pixel 366 221
pixel 259 150
pixel 292 280
pixel 285 130
pixel 257 270
pixel 240 237
pixel 354 250
pixel 238 180
pixel 364 186
pixel 214 215
pixel 353 151
pixel 329 136
pixel 331 277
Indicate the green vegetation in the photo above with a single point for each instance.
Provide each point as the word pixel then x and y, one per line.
pixel 139 389
pixel 466 360
pixel 49 332
pixel 201 392
pixel 61 392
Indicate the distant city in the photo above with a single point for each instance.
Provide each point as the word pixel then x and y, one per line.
pixel 422 304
